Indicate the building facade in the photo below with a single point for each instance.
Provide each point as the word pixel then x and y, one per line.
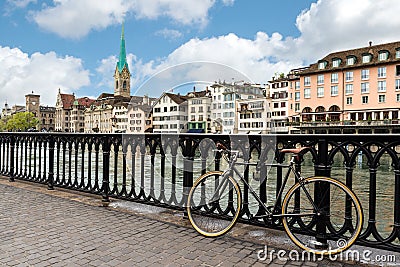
pixel 170 114
pixel 279 104
pixel 253 116
pixel 199 111
pixel 44 114
pixel 224 104
pixel 353 91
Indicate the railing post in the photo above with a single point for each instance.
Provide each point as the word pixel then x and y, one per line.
pixel 188 169
pixel 322 168
pixel 12 151
pixel 106 171
pixel 50 177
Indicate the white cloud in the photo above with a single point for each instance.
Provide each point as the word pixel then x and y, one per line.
pixel 76 18
pixel 42 73
pixel 228 2
pixel 169 34
pixel 331 25
pixel 185 12
pixel 20 3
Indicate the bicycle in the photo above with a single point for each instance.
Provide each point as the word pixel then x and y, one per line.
pixel 320 215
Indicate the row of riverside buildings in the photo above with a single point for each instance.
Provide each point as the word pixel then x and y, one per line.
pixel 352 91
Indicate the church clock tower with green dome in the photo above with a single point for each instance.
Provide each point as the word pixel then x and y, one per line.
pixel 122 76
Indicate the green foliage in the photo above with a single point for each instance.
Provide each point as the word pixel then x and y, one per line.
pixel 22 122
pixel 3 124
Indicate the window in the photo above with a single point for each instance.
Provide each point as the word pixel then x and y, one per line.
pixel 349 100
pixel 193 109
pixel 283 104
pixel 320 92
pixel 366 58
pixel 381 86
pixel 350 61
pixel 349 89
pixel 297 96
pixel 349 76
pixel 307 81
pixel 334 77
pixel 276 105
pixel 307 93
pixel 297 107
pixel 364 74
pixel 364 88
pixel 364 99
pixel 381 98
pixel 320 79
pixel 398 97
pixel 322 65
pixel 397 84
pixel 334 90
pixel 397 70
pixel 383 55
pixel 336 62
pixel 398 53
pixel 382 72
pixel 297 85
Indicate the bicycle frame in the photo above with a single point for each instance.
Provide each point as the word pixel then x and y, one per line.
pixel 290 169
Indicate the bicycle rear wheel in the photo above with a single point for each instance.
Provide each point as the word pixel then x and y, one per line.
pixel 214 204
pixel 333 226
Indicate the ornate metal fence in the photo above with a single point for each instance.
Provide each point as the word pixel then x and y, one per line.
pixel 160 169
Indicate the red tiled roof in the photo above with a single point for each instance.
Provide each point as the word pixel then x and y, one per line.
pixel 372 50
pixel 67 100
pixel 85 101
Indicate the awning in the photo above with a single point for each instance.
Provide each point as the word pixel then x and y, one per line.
pixel 195 131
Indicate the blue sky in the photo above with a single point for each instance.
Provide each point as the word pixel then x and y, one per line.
pixel 73 44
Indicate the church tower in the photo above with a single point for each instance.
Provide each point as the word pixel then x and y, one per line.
pixel 122 76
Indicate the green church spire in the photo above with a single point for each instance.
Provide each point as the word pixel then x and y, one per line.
pixel 122 53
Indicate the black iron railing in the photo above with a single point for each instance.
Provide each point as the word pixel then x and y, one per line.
pixel 159 169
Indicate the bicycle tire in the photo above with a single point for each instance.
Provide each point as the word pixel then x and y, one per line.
pixel 342 217
pixel 209 217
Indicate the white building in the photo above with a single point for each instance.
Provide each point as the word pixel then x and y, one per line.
pixel 253 116
pixel 224 104
pixel 199 111
pixel 170 114
pixel 140 116
pixel 279 104
pixel 120 117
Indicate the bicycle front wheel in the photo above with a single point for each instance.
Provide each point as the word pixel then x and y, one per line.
pixel 322 216
pixel 214 204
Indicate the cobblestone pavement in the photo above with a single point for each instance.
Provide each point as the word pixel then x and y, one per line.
pixel 44 229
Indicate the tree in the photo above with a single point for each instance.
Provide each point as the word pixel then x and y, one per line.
pixel 22 121
pixel 3 124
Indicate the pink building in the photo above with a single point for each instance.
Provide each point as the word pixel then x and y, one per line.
pixel 353 91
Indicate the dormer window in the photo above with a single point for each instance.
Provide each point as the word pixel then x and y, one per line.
pixel 398 52
pixel 383 55
pixel 336 62
pixel 366 58
pixel 322 65
pixel 351 61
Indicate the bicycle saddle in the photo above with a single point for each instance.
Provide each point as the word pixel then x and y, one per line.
pixel 297 151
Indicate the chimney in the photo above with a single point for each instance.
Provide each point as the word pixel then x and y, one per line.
pixel 370 43
pixel 194 89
